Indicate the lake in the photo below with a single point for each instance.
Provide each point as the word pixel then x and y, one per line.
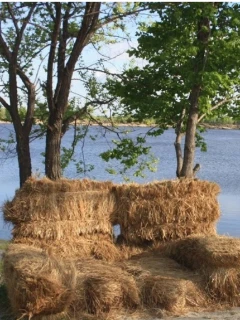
pixel 221 163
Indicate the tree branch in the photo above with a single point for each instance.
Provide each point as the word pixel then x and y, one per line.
pixel 13 18
pixel 219 104
pixel 4 103
pixel 74 117
pixel 54 39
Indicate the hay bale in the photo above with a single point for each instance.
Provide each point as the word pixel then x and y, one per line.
pixel 61 230
pixel 198 252
pixel 165 284
pixel 166 232
pixel 166 293
pixel 147 209
pixel 74 248
pixel 88 206
pixel 36 283
pixel 103 288
pixel 223 284
pixel 45 185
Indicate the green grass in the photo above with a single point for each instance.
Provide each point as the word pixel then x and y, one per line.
pixel 3 244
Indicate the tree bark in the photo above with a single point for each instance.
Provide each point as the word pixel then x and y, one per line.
pixel 24 157
pixel 53 148
pixel 177 143
pixel 189 148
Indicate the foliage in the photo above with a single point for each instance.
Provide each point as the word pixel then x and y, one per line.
pixel 130 154
pixel 169 49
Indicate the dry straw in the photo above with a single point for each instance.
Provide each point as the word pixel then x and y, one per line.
pixel 36 283
pixel 85 205
pixel 206 252
pixel 218 260
pixel 223 284
pixel 167 210
pixel 165 284
pixel 98 246
pixel 104 288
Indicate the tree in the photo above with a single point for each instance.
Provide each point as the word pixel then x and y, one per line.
pixel 191 71
pixel 59 31
pixel 69 37
pixel 17 63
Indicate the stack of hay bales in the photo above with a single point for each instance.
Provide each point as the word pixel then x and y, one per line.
pixel 40 285
pixel 217 258
pixel 164 211
pixel 70 218
pixel 73 221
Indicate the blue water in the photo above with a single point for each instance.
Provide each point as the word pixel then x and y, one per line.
pixel 220 164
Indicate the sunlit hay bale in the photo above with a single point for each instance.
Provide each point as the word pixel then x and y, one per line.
pixel 97 245
pixel 46 185
pixel 60 230
pixel 89 206
pixel 164 283
pixel 36 283
pixel 153 234
pixel 223 285
pixel 184 203
pixel 103 288
pixel 198 252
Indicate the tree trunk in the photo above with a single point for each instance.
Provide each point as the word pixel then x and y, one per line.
pixel 53 149
pixel 177 143
pixel 189 148
pixel 179 157
pixel 203 35
pixel 24 157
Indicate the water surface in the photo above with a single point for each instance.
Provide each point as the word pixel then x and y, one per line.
pixel 220 164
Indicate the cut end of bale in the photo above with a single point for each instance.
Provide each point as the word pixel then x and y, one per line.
pixel 164 211
pixel 36 283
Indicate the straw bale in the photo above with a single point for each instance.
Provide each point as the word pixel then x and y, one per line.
pixel 145 209
pixel 166 232
pixel 102 288
pixel 46 185
pixel 223 284
pixel 97 245
pixel 164 283
pixel 198 252
pixel 61 230
pixel 89 206
pixel 36 283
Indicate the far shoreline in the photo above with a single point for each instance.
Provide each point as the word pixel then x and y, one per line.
pixel 133 124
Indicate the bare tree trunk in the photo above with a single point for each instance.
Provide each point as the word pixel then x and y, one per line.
pixel 177 143
pixel 189 148
pixel 179 156
pixel 24 157
pixel 53 149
